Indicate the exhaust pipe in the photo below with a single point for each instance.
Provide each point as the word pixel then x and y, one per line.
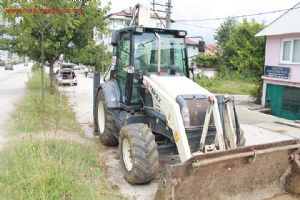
pixel 158 52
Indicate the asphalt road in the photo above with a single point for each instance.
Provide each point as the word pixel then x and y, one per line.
pixel 12 87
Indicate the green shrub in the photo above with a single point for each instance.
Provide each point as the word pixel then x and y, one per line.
pixel 256 92
pixel 206 61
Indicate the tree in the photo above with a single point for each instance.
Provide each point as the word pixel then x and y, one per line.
pixel 224 32
pixel 92 55
pixel 247 50
pixel 54 32
pixel 222 36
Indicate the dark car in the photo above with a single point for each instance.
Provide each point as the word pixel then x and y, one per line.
pixel 9 67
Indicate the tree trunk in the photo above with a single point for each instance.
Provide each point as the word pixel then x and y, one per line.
pixel 51 74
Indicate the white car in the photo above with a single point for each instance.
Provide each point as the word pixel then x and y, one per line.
pixel 66 76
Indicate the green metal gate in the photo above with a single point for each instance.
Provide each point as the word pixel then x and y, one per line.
pixel 284 101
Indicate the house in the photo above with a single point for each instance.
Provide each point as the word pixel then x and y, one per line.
pixel 192 48
pixel 281 79
pixel 120 20
pixel 211 49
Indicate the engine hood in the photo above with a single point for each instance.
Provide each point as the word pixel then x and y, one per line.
pixel 178 85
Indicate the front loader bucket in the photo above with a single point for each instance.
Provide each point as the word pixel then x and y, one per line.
pixel 254 172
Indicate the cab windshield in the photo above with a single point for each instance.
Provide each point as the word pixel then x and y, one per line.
pixel 172 53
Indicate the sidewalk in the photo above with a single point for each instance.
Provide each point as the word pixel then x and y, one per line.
pixel 264 128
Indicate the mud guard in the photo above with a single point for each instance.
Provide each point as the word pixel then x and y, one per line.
pixel 111 93
pixel 254 172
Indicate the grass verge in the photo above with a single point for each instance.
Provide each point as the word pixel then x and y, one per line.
pixel 41 168
pixel 35 114
pixel 226 86
pixel 52 170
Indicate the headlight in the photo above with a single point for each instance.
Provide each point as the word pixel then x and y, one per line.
pixel 185 116
pixel 184 111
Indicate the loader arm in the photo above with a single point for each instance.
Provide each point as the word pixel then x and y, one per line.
pixel 171 110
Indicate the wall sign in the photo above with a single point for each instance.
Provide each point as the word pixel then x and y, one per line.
pixel 277 72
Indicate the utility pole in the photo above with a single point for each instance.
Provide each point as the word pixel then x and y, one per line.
pixel 163 8
pixel 168 14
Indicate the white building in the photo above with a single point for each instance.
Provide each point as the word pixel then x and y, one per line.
pixel 120 20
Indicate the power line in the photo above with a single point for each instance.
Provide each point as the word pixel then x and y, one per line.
pixel 237 16
pixel 207 27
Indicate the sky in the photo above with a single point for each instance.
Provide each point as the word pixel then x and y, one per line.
pixel 203 9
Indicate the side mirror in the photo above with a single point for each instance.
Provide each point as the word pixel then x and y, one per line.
pixel 201 46
pixel 115 38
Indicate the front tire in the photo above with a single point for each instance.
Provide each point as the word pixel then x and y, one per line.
pixel 105 123
pixel 138 153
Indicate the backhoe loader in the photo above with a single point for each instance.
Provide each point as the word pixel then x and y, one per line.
pixel 148 105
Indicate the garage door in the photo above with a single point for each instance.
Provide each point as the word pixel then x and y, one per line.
pixel 283 101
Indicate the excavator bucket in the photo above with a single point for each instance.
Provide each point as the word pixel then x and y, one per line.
pixel 254 172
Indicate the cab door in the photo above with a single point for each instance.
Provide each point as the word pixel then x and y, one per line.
pixel 123 60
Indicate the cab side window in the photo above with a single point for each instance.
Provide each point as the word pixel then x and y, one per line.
pixel 123 55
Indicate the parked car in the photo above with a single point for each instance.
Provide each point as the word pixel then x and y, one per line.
pixel 25 64
pixel 9 67
pixel 65 75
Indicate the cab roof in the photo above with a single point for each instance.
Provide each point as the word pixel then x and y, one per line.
pixel 150 29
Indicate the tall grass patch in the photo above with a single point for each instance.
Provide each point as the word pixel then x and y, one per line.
pixel 36 113
pixel 52 170
pixel 227 85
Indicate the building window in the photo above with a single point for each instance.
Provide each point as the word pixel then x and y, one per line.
pixel 290 52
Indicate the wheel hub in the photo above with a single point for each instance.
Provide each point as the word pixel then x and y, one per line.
pixel 127 154
pixel 101 117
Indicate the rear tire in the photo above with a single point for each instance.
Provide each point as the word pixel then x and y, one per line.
pixel 138 153
pixel 105 123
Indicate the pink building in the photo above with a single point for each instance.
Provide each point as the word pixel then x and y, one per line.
pixel 281 88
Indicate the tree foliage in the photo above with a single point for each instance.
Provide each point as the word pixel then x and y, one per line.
pixel 225 30
pixel 87 56
pixel 247 50
pixel 60 32
pixel 240 51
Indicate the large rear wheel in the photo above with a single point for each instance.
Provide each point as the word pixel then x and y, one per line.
pixel 138 153
pixel 105 123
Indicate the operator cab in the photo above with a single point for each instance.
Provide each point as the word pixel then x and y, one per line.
pixel 138 47
pixel 142 51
